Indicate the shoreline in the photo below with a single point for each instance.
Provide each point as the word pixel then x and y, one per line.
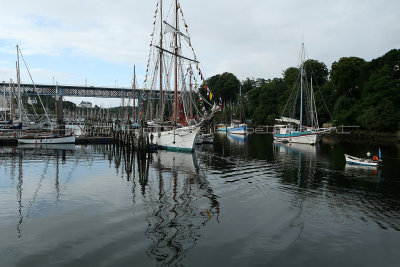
pixel 364 136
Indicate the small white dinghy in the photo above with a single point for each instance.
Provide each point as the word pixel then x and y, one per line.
pixel 70 139
pixel 361 162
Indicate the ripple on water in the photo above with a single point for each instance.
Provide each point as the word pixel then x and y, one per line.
pixel 256 204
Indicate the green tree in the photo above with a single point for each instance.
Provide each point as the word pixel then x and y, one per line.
pixel 224 86
pixel 317 71
pixel 346 76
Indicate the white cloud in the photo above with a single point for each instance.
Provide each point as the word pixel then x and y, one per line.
pixel 254 38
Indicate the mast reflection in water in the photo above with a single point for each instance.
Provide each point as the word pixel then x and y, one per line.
pixel 168 192
pixel 236 202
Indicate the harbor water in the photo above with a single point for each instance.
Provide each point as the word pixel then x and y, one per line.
pixel 243 201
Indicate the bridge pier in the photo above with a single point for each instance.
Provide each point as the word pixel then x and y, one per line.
pixel 59 112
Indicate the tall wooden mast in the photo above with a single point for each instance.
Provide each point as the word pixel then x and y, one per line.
pixel 190 95
pixel 161 103
pixel 301 85
pixel 19 87
pixel 240 94
pixel 134 95
pixel 176 63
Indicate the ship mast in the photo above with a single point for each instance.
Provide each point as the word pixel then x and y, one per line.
pixel 176 63
pixel 134 95
pixel 240 94
pixel 301 85
pixel 19 87
pixel 161 65
pixel 191 101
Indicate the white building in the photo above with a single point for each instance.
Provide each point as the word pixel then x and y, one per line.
pixel 84 104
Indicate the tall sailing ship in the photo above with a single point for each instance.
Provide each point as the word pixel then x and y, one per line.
pixel 300 125
pixel 173 70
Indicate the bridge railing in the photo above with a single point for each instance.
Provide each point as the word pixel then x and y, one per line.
pixel 85 91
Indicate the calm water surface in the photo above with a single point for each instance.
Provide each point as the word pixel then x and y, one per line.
pixel 239 202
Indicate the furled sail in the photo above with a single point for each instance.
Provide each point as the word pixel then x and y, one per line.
pixel 170 29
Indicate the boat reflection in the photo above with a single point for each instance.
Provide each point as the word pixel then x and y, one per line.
pixel 363 171
pixel 299 157
pixel 47 146
pixel 303 156
pixel 237 138
pixel 177 197
pixel 179 201
pixel 294 148
pixel 175 161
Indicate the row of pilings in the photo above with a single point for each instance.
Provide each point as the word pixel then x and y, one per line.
pixel 120 132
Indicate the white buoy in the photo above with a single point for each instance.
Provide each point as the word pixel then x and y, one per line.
pixel 368 154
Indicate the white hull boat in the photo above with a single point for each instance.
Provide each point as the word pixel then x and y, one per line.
pixel 47 140
pixel 180 139
pixel 237 128
pixel 360 162
pixel 300 126
pixel 306 137
pixel 172 71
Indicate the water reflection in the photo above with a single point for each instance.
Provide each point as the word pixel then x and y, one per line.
pixel 61 147
pixel 298 167
pixel 354 192
pixel 177 199
pixel 237 138
pixel 301 155
pixel 177 210
pixel 105 202
pixel 369 172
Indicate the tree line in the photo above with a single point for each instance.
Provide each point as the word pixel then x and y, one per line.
pixel 353 92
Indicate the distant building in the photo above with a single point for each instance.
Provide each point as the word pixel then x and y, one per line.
pixel 84 104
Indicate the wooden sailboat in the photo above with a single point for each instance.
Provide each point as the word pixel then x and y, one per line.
pixel 292 129
pixel 48 139
pixel 360 161
pixel 38 139
pixel 179 131
pixel 368 162
pixel 237 126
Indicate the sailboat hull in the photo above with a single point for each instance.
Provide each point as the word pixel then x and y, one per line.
pixel 48 140
pixel 360 162
pixel 181 139
pixel 299 137
pixel 237 129
pixel 10 126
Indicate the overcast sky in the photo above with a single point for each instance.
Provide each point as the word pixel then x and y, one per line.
pixel 101 40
